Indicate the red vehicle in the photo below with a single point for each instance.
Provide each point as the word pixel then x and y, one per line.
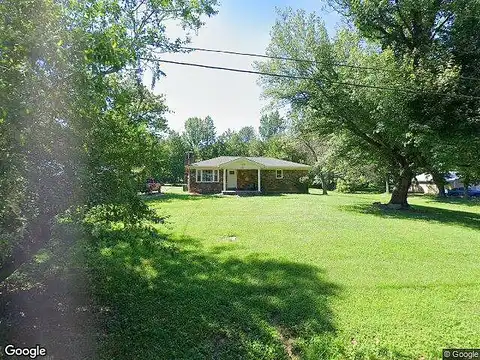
pixel 153 185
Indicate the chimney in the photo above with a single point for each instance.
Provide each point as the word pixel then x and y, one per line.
pixel 189 158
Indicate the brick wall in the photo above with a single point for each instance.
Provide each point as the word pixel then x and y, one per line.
pixel 289 184
pixel 205 188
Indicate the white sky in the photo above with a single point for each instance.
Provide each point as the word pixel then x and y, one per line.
pixel 231 99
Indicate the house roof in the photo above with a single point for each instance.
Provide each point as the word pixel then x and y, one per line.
pixel 264 162
pixel 451 176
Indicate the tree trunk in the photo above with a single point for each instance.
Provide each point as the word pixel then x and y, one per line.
pixel 324 184
pixel 466 184
pixel 439 181
pixel 387 186
pixel 403 182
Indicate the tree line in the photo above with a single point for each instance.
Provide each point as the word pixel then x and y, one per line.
pixel 201 139
pixel 333 165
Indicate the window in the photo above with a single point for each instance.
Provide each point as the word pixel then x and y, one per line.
pixel 207 175
pixel 279 174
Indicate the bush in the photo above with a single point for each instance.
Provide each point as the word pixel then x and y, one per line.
pixel 7 242
pixel 360 184
pixel 344 186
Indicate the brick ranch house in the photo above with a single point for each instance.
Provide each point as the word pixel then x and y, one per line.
pixel 233 174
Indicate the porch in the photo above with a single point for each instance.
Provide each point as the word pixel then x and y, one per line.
pixel 241 181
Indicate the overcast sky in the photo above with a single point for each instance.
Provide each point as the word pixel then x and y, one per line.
pixel 231 99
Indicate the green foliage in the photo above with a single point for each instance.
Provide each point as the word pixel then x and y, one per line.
pixel 397 130
pixel 371 118
pixel 200 137
pixel 271 124
pixel 76 123
pixel 35 92
pixel 247 134
pixel 439 42
pixel 243 142
pixel 171 168
pixel 361 183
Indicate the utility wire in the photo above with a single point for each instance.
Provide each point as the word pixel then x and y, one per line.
pixel 303 78
pixel 298 60
pixel 279 58
pixel 232 69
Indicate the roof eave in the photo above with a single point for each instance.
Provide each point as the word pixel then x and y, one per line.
pixel 306 167
pixel 204 167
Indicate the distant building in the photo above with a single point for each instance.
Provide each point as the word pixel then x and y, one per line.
pixel 424 184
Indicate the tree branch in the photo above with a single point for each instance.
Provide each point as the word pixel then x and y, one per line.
pixel 439 26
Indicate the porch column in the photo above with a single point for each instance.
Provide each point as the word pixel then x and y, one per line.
pixel 259 182
pixel 224 179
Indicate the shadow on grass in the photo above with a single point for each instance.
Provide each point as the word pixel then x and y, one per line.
pixel 455 200
pixel 419 212
pixel 47 301
pixel 265 194
pixel 169 300
pixel 254 194
pixel 168 197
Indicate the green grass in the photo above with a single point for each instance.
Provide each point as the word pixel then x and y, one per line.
pixel 291 276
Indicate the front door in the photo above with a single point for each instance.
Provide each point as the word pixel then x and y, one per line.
pixel 231 179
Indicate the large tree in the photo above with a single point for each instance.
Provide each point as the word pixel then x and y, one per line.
pixel 200 136
pixel 172 158
pixel 75 118
pixel 243 142
pixel 372 108
pixel 271 124
pixel 439 40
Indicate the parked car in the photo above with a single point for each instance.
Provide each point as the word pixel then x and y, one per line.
pixel 460 191
pixel 153 185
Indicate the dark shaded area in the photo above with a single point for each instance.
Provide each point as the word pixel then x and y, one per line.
pixel 242 193
pixel 166 302
pixel 455 200
pixel 134 294
pixel 36 235
pixel 419 212
pixel 47 301
pixel 168 197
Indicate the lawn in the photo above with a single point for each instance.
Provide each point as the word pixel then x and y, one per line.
pixel 312 276
pixel 289 277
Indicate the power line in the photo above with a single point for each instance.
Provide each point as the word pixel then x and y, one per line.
pixel 302 78
pixel 360 67
pixel 232 69
pixel 279 58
